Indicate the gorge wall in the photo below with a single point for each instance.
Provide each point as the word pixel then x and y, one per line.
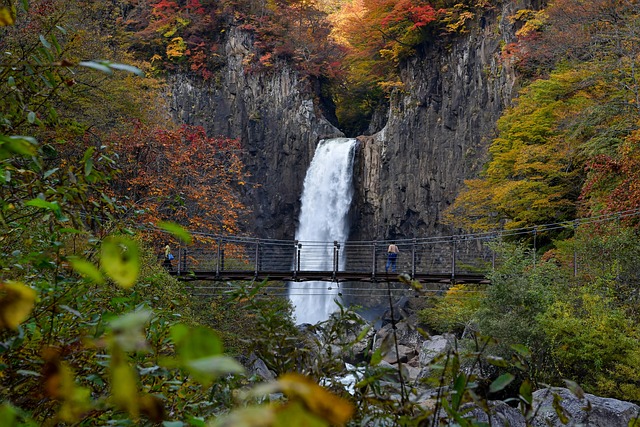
pixel 435 135
pixel 437 132
pixel 278 122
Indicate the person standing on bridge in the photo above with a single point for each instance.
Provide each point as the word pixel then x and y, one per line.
pixel 168 256
pixel 392 257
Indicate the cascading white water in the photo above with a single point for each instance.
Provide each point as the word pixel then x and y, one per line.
pixel 326 199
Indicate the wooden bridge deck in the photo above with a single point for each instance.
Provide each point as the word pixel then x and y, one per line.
pixel 427 261
pixel 325 276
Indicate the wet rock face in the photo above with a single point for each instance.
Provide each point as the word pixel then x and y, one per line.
pixel 275 118
pixel 437 132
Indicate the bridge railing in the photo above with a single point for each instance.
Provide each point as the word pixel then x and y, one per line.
pixel 444 256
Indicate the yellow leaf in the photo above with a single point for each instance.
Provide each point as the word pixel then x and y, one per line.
pixel 16 303
pixel 252 416
pixel 124 384
pixel 59 384
pixel 120 259
pixel 87 269
pixel 319 401
pixel 6 17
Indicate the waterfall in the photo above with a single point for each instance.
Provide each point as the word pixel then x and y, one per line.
pixel 326 198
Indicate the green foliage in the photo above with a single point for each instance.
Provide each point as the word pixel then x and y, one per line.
pixel 595 342
pixel 518 293
pixel 456 311
pixel 581 328
pixel 533 175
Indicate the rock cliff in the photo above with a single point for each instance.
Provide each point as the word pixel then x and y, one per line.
pixel 436 133
pixel 275 117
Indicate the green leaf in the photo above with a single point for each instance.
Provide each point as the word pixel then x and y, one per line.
pixel 560 412
pixel 88 167
pixel 246 417
pixel 44 42
pixel 129 330
pixel 521 349
pixel 176 230
pixel 134 320
pixel 458 387
pixel 376 357
pixel 575 389
pixel 120 260
pixel 364 333
pixel 71 310
pixel 497 361
pixel 501 382
pixel 7 415
pixel 199 351
pixel 21 145
pixel 195 342
pixel 54 40
pixel 31 117
pixel 50 172
pixel 87 269
pixel 172 424
pixel 526 392
pixel 124 67
pixel 96 66
pixel 52 206
pixel 195 421
pixel 124 386
pixel 206 369
pixel 296 415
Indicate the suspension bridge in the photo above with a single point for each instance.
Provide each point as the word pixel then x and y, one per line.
pixel 448 260
pixel 465 258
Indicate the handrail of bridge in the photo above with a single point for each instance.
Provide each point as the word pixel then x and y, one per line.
pixel 456 257
pixel 232 258
pixel 481 235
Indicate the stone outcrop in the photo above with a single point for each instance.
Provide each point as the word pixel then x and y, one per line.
pixel 275 117
pixel 437 131
pixel 587 410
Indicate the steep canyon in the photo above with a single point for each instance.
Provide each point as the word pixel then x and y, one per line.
pixel 435 135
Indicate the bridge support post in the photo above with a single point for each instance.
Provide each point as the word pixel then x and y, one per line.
pixel 257 269
pixel 493 260
pixel 453 259
pixel 296 259
pixel 179 260
pixel 413 259
pixel 336 250
pixel 218 257
pixel 374 263
pixel 535 244
pixel 575 249
pixel 182 260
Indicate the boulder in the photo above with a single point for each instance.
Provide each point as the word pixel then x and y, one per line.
pixel 589 410
pixel 500 415
pixel 434 347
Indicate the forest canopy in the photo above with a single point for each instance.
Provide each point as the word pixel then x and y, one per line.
pixel 96 179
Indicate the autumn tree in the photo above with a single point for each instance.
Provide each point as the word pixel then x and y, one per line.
pixel 613 182
pixel 379 35
pixel 533 175
pixel 181 175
